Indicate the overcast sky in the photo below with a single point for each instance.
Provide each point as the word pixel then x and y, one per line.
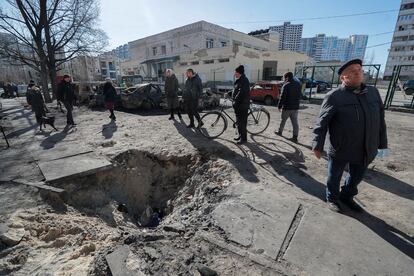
pixel 127 20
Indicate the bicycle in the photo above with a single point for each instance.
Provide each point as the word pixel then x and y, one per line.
pixel 215 122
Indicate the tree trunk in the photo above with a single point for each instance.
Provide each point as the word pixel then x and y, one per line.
pixel 43 76
pixel 52 76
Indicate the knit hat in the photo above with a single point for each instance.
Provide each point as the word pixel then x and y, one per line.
pixel 240 69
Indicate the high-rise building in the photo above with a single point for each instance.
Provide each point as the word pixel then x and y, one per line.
pixel 122 52
pixel 325 48
pixel 401 51
pixel 290 36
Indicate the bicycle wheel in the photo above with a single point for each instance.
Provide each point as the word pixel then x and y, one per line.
pixel 258 120
pixel 214 124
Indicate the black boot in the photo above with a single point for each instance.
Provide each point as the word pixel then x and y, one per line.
pixel 171 114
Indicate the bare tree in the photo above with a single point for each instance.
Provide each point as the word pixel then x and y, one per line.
pixel 21 20
pixel 71 30
pixel 56 30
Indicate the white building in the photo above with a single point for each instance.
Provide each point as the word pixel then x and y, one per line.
pixel 402 46
pixel 218 64
pixel 150 56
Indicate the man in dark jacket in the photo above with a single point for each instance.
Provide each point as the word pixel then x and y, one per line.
pixel 354 116
pixel 171 91
pixel 192 93
pixel 289 104
pixel 66 94
pixel 241 97
pixel 37 103
pixel 29 92
pixel 109 93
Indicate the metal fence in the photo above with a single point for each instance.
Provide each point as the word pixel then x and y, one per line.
pixel 399 94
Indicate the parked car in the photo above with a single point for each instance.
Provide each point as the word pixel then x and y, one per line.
pixel 409 87
pixel 266 91
pixel 146 96
pixel 320 86
pixel 309 82
pixel 323 86
pixel 21 90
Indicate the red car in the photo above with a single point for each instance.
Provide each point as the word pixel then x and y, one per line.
pixel 266 91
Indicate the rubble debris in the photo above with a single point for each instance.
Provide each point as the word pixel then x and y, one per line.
pixel 175 227
pixel 205 271
pixel 122 208
pixel 12 236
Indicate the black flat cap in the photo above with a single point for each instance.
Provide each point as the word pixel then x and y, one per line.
pixel 350 62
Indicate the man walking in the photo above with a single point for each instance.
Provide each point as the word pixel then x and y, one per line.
pixel 289 104
pixel 354 116
pixel 241 97
pixel 192 93
pixel 171 90
pixel 36 102
pixel 66 94
pixel 109 93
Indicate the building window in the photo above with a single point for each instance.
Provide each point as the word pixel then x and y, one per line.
pixel 407 6
pixel 171 46
pixel 209 43
pixel 183 63
pixel 209 61
pixel 224 60
pixel 163 50
pixel 195 63
pixel 154 51
pixel 223 44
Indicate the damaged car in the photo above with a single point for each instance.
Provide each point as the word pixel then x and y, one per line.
pixel 208 100
pixel 145 96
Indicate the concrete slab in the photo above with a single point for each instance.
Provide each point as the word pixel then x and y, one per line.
pixel 117 262
pixel 74 166
pixel 250 227
pixel 327 243
pixel 59 150
pixel 12 236
pixel 39 185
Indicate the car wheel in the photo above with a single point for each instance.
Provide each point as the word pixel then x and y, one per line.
pixel 268 100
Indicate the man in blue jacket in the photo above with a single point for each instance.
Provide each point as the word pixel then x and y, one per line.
pixel 353 114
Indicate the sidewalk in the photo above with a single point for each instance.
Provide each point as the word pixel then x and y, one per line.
pixel 58 157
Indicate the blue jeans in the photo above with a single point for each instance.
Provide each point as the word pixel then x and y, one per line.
pixel 349 189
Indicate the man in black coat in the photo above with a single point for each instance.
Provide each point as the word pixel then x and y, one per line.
pixel 192 93
pixel 241 97
pixel 66 94
pixel 289 104
pixel 37 103
pixel 171 91
pixel 353 114
pixel 109 93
